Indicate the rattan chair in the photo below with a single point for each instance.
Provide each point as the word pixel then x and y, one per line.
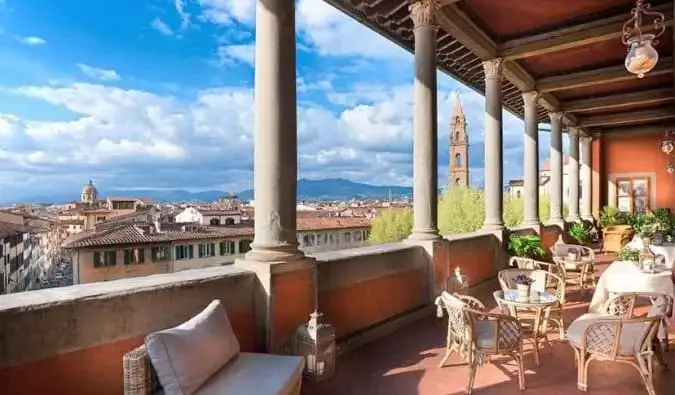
pixel 476 335
pixel 583 274
pixel 610 339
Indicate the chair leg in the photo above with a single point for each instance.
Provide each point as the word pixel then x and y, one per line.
pixel 521 371
pixel 449 348
pixel 473 366
pixel 645 369
pixel 583 365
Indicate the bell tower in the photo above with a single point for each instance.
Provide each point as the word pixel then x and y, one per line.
pixel 459 147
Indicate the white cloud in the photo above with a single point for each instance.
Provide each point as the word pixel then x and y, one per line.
pixel 161 27
pixel 31 40
pixel 184 16
pixel 99 74
pixel 228 11
pixel 227 54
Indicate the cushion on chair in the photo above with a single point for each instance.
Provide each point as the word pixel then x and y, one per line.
pixel 260 374
pixel 631 333
pixel 485 334
pixel 185 356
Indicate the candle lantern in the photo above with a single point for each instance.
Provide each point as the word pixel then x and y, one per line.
pixel 315 341
pixel 647 260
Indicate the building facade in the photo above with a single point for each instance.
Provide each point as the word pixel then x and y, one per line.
pixel 459 147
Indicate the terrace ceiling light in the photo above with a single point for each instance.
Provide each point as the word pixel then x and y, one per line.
pixel 642 57
pixel 668 143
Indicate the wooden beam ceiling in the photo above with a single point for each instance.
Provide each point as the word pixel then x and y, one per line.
pixel 466 32
pixel 623 118
pixel 598 76
pixel 572 37
pixel 653 96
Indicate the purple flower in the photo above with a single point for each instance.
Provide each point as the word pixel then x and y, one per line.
pixel 523 279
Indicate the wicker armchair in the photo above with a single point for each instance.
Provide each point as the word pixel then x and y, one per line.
pixel 581 274
pixel 615 339
pixel 476 335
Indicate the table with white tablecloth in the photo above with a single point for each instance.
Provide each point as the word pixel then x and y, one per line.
pixel 623 276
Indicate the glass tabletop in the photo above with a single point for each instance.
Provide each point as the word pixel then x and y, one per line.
pixel 534 298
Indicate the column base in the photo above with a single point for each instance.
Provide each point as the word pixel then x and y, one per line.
pixel 532 223
pixel 493 226
pixel 275 253
pixel 572 218
pixel 285 293
pixel 423 235
pixel 588 217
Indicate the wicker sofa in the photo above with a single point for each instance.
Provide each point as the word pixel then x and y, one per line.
pixel 202 363
pixel 615 237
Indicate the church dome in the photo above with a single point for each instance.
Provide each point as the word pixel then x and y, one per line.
pixel 89 193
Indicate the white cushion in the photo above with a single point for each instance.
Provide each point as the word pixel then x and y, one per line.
pixel 259 374
pixel 185 356
pixel 485 334
pixel 631 334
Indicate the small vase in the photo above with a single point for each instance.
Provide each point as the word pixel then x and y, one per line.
pixel 523 290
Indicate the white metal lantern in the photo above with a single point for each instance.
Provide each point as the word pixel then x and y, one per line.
pixel 316 342
pixel 642 57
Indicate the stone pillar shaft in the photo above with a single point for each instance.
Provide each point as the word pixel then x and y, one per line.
pixel 531 160
pixel 586 187
pixel 275 148
pixel 573 176
pixel 425 123
pixel 556 168
pixel 493 145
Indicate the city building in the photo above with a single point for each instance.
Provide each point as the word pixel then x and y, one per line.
pixel 516 187
pixel 459 147
pixel 136 248
pixel 29 248
pixel 209 216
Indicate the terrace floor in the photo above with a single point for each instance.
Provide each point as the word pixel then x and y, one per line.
pixel 406 363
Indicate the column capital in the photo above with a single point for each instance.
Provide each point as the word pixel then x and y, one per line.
pixel 530 98
pixel 573 131
pixel 423 14
pixel 493 68
pixel 585 139
pixel 556 116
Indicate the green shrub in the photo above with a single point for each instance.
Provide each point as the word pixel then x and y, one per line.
pixel 581 232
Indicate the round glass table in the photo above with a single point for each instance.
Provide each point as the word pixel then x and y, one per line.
pixel 530 310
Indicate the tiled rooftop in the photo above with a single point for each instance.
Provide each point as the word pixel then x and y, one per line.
pixel 406 363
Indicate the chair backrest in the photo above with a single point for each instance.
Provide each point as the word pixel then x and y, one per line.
pixel 623 304
pixel 522 262
pixel 611 338
pixel 459 327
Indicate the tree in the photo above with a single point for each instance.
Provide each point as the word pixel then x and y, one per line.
pixel 461 210
pixel 391 225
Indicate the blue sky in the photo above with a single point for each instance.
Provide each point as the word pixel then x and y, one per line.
pixel 159 94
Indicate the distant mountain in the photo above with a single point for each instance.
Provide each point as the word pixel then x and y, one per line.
pixel 339 189
pixel 328 189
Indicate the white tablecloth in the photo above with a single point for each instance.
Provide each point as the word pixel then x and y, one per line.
pixel 623 276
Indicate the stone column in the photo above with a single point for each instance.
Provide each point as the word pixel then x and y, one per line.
pixel 425 123
pixel 556 168
pixel 275 148
pixel 586 186
pixel 531 159
pixel 285 276
pixel 493 145
pixel 573 176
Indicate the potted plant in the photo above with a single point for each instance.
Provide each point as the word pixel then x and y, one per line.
pixel 523 284
pixel 527 246
pixel 646 234
pixel 581 232
pixel 629 254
